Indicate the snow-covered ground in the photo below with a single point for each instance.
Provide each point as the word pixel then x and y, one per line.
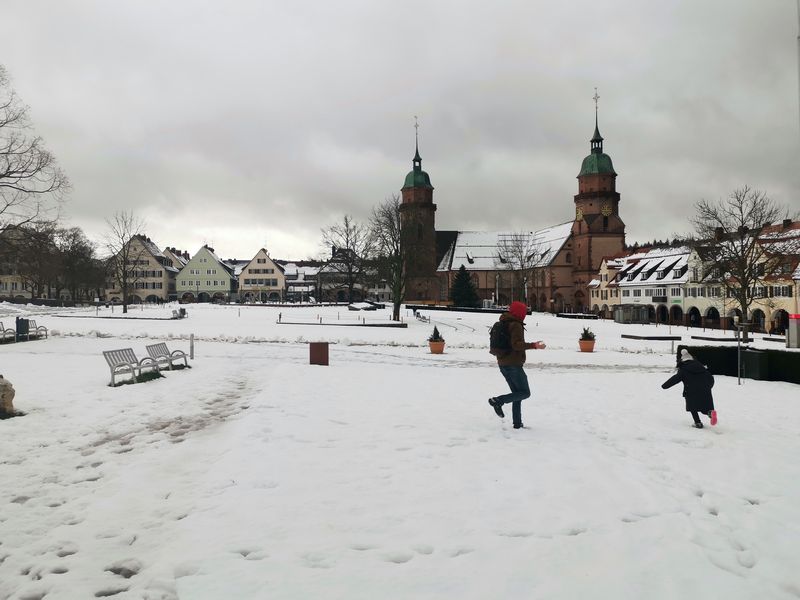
pixel 385 475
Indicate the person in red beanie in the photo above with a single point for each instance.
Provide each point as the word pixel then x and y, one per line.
pixel 510 362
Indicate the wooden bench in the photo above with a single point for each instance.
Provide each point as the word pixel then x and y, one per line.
pixel 7 334
pixel 35 330
pixel 160 353
pixel 124 361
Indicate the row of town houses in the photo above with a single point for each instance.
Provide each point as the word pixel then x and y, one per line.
pixel 662 285
pixel 163 275
pixel 675 285
pixel 171 274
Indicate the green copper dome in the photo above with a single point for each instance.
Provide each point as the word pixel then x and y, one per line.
pixel 597 164
pixel 417 178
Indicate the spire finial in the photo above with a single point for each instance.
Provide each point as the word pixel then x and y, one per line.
pixel 417 159
pixel 597 139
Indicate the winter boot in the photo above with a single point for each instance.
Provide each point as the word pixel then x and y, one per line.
pixel 519 426
pixel 698 424
pixel 713 415
pixel 498 408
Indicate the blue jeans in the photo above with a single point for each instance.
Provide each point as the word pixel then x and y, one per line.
pixel 518 383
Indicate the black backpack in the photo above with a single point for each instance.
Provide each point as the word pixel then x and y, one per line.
pixel 499 339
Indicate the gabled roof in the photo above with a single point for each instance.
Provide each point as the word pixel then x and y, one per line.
pixel 478 250
pixel 229 268
pixel 247 263
pixel 639 268
pixel 150 246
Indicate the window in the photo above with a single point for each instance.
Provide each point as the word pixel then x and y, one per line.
pixel 261 261
pixel 568 258
pixel 637 293
pixel 626 293
pixel 675 292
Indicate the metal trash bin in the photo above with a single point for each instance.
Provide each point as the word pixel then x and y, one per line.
pixel 793 332
pixel 755 364
pixel 182 312
pixel 23 329
pixel 318 353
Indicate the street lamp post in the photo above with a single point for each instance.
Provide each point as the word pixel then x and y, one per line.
pixel 497 288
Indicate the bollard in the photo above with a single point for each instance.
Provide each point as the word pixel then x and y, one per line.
pixel 318 353
pixel 191 346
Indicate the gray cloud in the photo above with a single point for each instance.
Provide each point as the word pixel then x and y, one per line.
pixel 257 123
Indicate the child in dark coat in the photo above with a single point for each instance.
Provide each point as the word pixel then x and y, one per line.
pixel 697 384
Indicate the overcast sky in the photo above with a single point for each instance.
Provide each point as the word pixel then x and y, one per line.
pixel 249 124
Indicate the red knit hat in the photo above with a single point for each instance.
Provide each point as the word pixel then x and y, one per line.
pixel 519 310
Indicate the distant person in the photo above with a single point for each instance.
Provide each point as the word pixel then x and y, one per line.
pixel 510 358
pixel 697 384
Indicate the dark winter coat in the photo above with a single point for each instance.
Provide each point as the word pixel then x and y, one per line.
pixel 697 384
pixel 516 331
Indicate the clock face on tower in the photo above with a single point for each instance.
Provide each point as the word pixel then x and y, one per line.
pixel 606 210
pixel 578 214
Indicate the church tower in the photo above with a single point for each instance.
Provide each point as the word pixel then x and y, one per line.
pixel 598 230
pixel 418 232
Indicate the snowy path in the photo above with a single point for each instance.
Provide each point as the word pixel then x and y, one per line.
pixel 256 475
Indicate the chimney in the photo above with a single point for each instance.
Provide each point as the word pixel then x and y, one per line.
pixel 787 223
pixel 719 233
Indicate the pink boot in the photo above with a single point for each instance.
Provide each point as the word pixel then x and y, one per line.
pixel 713 415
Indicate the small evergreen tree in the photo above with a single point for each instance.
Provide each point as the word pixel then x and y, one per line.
pixel 463 292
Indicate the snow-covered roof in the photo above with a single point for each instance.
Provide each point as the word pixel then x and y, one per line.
pixel 659 266
pixel 291 269
pixel 594 283
pixel 782 242
pixel 151 247
pixel 478 250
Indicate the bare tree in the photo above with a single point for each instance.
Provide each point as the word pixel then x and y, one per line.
pixel 390 249
pixel 31 183
pixel 351 244
pixel 521 254
pixel 124 253
pixel 730 229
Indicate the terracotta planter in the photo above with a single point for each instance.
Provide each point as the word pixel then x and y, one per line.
pixel 586 345
pixel 436 347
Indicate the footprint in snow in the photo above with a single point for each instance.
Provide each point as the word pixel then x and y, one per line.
pixel 398 557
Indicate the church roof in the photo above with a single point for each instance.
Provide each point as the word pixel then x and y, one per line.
pixel 597 164
pixel 479 250
pixel 417 179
